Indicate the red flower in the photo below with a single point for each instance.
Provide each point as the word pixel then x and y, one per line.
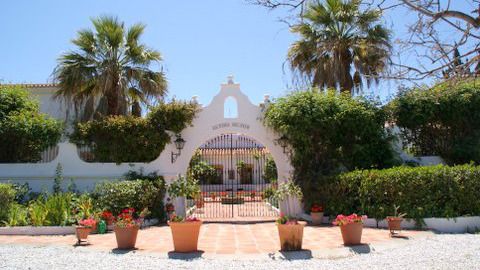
pixel 316 209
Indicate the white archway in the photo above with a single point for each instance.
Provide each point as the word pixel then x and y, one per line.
pixel 210 122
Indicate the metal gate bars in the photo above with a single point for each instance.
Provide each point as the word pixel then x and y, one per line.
pixel 237 176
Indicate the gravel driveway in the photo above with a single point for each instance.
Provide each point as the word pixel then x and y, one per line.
pixel 436 252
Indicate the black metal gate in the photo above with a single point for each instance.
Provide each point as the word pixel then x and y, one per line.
pixel 237 176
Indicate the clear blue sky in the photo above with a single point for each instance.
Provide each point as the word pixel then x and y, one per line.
pixel 202 42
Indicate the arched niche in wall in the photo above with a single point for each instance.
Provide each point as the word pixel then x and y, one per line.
pixel 230 108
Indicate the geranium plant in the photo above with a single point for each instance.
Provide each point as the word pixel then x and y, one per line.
pixel 127 218
pixel 316 209
pixel 286 220
pixel 88 223
pixel 342 220
pixel 106 215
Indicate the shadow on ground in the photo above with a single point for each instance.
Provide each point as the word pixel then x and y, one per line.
pixel 360 249
pixel 185 256
pixel 303 254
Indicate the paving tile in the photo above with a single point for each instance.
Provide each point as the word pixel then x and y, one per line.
pixel 217 238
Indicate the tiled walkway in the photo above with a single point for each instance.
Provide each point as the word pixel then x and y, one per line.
pixel 219 239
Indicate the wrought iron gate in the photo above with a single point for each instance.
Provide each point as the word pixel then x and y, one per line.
pixel 237 176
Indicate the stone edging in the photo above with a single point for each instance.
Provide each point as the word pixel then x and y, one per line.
pixel 52 230
pixel 442 225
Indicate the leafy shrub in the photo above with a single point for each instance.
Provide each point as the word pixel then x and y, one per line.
pixel 118 195
pixel 329 131
pixel 174 116
pixel 156 208
pixel 121 139
pixel 269 192
pixel 24 132
pixel 443 120
pixel 134 139
pixel 59 209
pixel 184 187
pixel 38 212
pixel 270 170
pixel 420 192
pixel 204 173
pixel 7 198
pixel 17 216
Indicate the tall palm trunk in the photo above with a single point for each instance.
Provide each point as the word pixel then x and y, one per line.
pixel 112 97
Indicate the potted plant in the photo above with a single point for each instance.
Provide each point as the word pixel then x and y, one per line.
pixel 213 195
pixel 288 194
pixel 126 228
pixel 253 194
pixel 316 211
pixel 185 233
pixel 395 221
pixel 351 227
pixel 182 188
pixel 290 232
pixel 83 229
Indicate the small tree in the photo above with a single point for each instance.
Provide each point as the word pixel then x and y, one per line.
pixel 24 132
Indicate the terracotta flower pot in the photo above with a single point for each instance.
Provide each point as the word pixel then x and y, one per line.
pixel 185 235
pixel 352 233
pixel 291 236
pixel 394 223
pixel 317 217
pixel 110 221
pixel 126 237
pixel 82 232
pixel 94 228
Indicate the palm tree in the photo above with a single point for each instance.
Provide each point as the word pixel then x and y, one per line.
pixel 334 35
pixel 109 71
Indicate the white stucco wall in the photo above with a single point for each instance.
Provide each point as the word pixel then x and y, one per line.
pixel 209 123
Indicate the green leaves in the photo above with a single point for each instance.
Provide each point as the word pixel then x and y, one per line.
pixel 336 35
pixel 184 187
pixel 419 192
pixel 24 132
pixel 134 139
pixel 329 132
pixel 101 68
pixel 444 121
pixel 116 196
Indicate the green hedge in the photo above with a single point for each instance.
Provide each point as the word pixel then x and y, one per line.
pixel 420 192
